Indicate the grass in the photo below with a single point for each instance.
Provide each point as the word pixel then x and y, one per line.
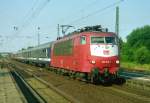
pixel 135 66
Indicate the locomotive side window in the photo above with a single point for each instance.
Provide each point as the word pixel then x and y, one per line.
pixel 97 40
pixel 63 48
pixel 83 40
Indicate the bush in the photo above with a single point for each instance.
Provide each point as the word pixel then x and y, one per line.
pixel 1 56
pixel 142 55
pixel 124 58
pixel 127 54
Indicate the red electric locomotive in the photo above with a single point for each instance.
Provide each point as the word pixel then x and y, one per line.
pixel 90 54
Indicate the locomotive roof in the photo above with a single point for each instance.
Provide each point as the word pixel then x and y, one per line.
pixel 78 33
pixel 42 46
pixel 85 32
pixel 88 29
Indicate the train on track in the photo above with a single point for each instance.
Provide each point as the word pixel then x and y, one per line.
pixel 90 53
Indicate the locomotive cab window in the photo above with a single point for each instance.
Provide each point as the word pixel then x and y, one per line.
pixel 83 40
pixel 102 40
pixel 97 40
pixel 110 40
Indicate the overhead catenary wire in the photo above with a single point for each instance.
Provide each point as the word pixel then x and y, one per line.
pixel 82 9
pixel 95 12
pixel 35 3
pixel 25 19
pixel 35 11
pixel 72 15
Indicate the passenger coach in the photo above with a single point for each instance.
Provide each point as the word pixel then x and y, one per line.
pixel 38 55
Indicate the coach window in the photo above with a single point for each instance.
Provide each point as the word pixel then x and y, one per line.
pixel 83 40
pixel 44 50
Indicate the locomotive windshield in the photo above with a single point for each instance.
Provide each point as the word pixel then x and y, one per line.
pixel 101 40
pixel 97 40
pixel 110 40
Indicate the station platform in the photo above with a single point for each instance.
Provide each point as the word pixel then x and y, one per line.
pixel 8 88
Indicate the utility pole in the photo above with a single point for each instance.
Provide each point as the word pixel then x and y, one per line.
pixel 58 35
pixel 117 22
pixel 117 28
pixel 38 36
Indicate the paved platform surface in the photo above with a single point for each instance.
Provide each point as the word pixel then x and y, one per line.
pixel 8 90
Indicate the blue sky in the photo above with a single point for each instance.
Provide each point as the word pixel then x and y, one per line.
pixel 28 15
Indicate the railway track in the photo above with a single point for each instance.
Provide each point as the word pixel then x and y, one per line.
pixel 44 92
pixel 16 89
pixel 84 92
pixel 135 75
pixel 30 95
pixel 136 79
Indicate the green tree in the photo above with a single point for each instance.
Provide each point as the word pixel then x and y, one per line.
pixel 127 53
pixel 30 47
pixel 142 55
pixel 139 37
pixel 137 47
pixel 121 43
pixel 1 56
pixel 23 49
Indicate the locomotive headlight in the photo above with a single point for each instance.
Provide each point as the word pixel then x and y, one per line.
pixel 117 61
pixel 93 62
